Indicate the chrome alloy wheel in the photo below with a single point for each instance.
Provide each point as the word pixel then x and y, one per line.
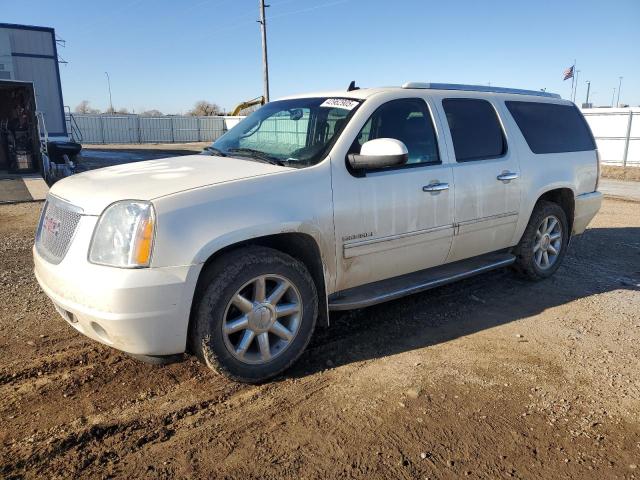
pixel 262 319
pixel 548 242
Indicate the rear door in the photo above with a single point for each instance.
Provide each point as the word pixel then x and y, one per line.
pixel 486 175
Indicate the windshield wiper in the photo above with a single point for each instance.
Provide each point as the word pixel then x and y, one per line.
pixel 258 155
pixel 214 151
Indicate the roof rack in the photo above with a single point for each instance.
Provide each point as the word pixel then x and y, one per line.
pixel 478 88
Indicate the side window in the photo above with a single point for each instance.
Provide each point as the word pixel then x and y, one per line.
pixel 407 120
pixel 475 129
pixel 552 128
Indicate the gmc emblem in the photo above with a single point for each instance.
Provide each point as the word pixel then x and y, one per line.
pixel 51 225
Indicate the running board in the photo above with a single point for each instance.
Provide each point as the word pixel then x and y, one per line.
pixel 397 287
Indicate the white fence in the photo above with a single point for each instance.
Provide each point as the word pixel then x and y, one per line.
pixel 617 133
pixel 139 129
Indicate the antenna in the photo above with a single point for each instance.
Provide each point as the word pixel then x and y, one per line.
pixel 352 86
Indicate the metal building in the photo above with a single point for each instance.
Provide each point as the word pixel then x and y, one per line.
pixel 35 142
pixel 29 54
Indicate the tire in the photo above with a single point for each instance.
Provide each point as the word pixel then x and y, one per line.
pixel 528 250
pixel 222 319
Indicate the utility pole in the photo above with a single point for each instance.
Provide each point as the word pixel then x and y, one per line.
pixel 109 85
pixel 588 88
pixel 619 88
pixel 265 63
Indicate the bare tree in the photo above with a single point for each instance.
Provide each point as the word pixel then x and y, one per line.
pixel 83 107
pixel 203 108
pixel 152 113
pixel 122 111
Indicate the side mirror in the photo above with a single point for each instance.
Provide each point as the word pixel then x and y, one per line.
pixel 380 153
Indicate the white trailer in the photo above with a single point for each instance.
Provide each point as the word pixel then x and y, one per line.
pixel 33 131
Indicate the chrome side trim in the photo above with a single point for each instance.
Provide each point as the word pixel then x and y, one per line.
pixel 373 245
pixel 486 223
pixel 489 218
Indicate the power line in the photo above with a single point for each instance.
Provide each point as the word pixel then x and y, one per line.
pixel 309 9
pixel 272 17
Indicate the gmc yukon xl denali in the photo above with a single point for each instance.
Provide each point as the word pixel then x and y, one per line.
pixel 327 201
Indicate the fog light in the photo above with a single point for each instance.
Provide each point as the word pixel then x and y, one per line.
pixel 101 333
pixel 67 315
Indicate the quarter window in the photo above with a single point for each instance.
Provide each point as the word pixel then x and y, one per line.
pixel 475 129
pixel 552 128
pixel 407 120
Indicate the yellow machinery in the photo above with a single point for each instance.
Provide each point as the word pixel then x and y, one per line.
pixel 249 103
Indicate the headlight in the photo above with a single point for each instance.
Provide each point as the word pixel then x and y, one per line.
pixel 124 235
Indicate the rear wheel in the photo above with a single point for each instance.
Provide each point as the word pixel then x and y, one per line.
pixel 256 313
pixel 544 242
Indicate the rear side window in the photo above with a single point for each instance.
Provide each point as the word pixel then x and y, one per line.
pixel 475 129
pixel 552 128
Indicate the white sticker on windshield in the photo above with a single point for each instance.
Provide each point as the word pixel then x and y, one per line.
pixel 343 103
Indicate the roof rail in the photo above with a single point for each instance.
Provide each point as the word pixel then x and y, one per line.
pixel 478 88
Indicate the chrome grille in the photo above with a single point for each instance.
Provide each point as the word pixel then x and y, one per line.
pixel 58 223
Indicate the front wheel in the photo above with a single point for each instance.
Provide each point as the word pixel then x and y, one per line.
pixel 255 315
pixel 544 242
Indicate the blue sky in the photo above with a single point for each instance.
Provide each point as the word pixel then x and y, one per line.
pixel 167 54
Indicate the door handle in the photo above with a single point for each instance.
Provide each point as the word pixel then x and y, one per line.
pixel 435 187
pixel 507 176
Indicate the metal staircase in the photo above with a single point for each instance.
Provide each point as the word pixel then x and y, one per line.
pixel 72 126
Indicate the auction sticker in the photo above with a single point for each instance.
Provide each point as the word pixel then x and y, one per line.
pixel 343 103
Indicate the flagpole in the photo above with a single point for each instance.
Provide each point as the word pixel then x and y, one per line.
pixel 573 79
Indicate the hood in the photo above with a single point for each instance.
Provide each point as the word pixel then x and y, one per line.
pixel 93 191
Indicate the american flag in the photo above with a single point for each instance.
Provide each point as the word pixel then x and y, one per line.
pixel 568 73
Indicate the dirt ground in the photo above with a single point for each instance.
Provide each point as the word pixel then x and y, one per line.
pixel 493 377
pixel 620 173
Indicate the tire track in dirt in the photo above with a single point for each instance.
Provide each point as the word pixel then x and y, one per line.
pixel 493 376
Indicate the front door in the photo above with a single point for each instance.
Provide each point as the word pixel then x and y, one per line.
pixel 486 175
pixel 398 220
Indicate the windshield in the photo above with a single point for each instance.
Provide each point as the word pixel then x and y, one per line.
pixel 297 132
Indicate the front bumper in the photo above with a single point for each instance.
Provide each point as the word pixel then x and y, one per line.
pixel 586 207
pixel 140 311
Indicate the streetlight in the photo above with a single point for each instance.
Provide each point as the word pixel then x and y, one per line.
pixel 619 88
pixel 613 96
pixel 588 88
pixel 575 91
pixel 109 85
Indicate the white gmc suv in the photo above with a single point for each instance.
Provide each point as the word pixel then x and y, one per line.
pixel 319 202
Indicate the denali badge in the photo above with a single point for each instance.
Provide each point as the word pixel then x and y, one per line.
pixel 356 236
